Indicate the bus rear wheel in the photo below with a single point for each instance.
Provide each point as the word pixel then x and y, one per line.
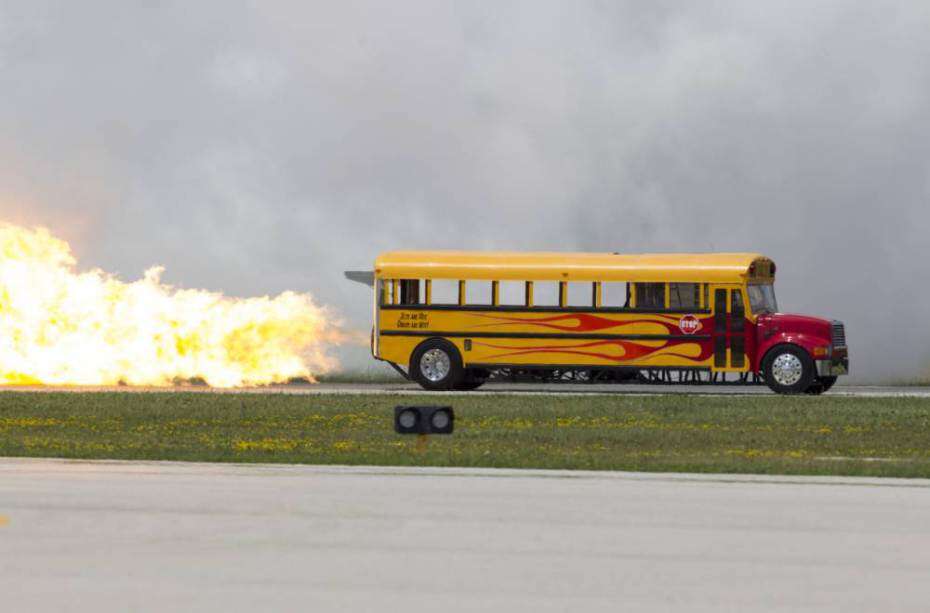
pixel 473 379
pixel 788 369
pixel 437 365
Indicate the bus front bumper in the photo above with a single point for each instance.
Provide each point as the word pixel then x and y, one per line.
pixel 833 367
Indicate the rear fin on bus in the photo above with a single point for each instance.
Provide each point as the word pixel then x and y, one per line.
pixel 361 276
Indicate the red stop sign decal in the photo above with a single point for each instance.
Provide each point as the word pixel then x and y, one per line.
pixel 689 324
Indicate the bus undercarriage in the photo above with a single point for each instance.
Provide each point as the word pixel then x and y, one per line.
pixel 651 376
pixel 567 374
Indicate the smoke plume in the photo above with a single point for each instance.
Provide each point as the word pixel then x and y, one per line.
pixel 265 147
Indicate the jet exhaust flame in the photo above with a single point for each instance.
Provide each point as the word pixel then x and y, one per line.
pixel 62 326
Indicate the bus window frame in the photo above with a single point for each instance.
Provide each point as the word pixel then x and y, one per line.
pixel 390 299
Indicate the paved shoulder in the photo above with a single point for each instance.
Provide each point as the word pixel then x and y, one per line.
pixel 158 536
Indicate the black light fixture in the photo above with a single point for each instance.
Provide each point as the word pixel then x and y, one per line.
pixel 423 420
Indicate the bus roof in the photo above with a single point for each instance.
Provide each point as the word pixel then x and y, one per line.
pixel 553 266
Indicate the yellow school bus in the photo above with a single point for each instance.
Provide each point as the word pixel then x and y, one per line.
pixel 452 319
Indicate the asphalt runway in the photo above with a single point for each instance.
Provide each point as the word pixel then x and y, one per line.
pixel 119 536
pixel 548 389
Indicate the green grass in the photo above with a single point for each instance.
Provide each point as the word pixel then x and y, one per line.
pixel 765 434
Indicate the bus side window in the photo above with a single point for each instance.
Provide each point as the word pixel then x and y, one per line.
pixel 579 294
pixel 650 296
pixel 545 293
pixel 444 291
pixel 684 295
pixel 615 295
pixel 512 293
pixel 478 292
pixel 410 291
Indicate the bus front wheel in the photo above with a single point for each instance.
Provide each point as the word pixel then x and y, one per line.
pixel 788 369
pixel 436 365
pixel 821 385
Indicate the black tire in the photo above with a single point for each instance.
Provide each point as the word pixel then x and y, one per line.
pixel 816 388
pixel 820 385
pixel 430 352
pixel 785 381
pixel 472 380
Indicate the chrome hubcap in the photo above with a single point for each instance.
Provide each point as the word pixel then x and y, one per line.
pixel 786 369
pixel 435 365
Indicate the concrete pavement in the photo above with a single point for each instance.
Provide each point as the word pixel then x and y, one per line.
pixel 118 536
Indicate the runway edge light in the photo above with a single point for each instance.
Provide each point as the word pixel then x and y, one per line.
pixel 424 420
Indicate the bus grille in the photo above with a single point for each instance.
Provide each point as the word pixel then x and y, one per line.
pixel 839 334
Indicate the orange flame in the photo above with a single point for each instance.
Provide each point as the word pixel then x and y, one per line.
pixel 61 326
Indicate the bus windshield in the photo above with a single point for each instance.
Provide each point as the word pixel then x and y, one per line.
pixel 762 298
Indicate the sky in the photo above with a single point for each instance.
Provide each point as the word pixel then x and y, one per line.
pixel 257 147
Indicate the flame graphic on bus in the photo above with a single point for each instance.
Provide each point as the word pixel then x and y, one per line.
pixel 623 350
pixel 587 322
pixel 665 337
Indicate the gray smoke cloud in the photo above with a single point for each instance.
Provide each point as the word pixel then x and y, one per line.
pixel 253 147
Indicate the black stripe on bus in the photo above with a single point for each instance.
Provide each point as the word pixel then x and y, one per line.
pixel 599 337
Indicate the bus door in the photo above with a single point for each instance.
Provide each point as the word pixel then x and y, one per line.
pixel 730 329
